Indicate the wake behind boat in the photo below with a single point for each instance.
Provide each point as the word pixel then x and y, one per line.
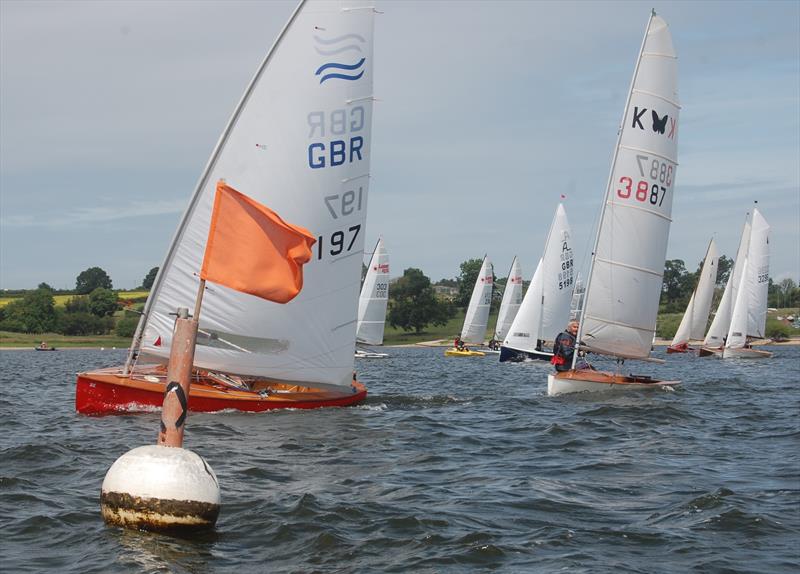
pixel 279 150
pixel 624 283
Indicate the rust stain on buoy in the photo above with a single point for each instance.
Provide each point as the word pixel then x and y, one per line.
pixel 123 509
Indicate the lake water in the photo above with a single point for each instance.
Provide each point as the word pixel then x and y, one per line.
pixel 452 465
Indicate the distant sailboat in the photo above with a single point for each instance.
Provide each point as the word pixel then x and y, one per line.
pixel 749 316
pixel 372 304
pixel 624 281
pixel 544 311
pixel 509 305
pixel 477 317
pixel 720 325
pixel 694 321
pixel 299 142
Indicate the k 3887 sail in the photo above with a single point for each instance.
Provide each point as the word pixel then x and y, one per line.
pixel 624 282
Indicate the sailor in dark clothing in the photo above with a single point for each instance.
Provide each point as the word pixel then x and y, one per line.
pixel 564 348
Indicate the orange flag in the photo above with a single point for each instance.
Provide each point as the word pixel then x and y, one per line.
pixel 251 249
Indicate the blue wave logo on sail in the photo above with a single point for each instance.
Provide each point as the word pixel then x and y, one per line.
pixel 336 70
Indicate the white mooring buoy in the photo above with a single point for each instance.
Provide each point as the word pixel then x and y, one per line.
pixel 160 488
pixel 165 487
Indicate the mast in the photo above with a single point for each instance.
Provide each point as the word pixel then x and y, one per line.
pixel 608 189
pixel 137 338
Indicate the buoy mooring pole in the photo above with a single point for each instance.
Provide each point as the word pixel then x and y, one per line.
pixel 165 487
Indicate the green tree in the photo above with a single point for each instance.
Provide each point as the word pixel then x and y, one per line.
pixel 466 280
pixel 412 304
pixel 85 324
pixel 102 302
pixel 724 268
pixel 77 304
pixel 126 326
pixel 45 286
pixel 91 279
pixel 34 313
pixel 147 283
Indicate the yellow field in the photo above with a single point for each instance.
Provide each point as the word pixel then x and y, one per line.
pixel 61 299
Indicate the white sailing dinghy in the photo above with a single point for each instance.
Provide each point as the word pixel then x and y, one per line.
pixel 372 304
pixel 512 299
pixel 624 281
pixel 695 318
pixel 477 317
pixel 544 311
pixel 298 142
pixel 718 331
pixel 749 316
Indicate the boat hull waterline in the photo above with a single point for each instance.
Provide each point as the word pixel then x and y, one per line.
pixel 745 353
pixel 598 381
pixel 507 354
pixel 108 391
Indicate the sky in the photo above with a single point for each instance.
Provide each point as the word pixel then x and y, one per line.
pixel 487 113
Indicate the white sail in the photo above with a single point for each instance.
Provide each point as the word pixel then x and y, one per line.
pixel 750 310
pixel 477 317
pixel 718 331
pixel 545 309
pixel 737 334
pixel 512 298
pixel 374 298
pixel 576 306
pixel 558 279
pixel 624 282
pixel 524 330
pixel 299 143
pixel 693 323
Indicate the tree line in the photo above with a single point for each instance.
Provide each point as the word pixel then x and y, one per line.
pixel 90 311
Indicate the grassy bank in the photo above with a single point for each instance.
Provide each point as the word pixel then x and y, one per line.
pixel 30 340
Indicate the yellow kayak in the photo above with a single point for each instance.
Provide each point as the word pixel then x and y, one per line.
pixel 465 353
